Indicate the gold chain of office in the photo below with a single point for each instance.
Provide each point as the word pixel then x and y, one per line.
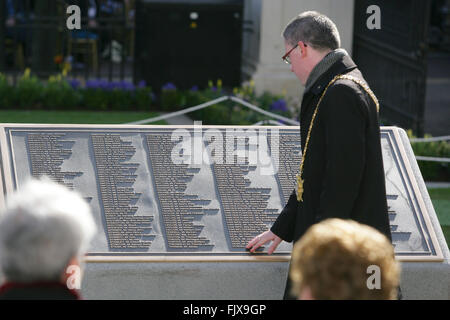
pixel 300 181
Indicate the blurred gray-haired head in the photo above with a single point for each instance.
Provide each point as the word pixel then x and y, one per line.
pixel 313 28
pixel 43 226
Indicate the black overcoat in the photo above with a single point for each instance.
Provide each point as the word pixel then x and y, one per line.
pixel 343 170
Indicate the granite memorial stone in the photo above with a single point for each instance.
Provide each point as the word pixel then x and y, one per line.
pixel 175 206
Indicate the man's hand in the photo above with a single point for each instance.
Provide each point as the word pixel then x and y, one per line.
pixel 261 239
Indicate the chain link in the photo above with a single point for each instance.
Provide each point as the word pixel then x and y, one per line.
pixel 299 189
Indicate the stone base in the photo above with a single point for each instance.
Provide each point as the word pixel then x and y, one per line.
pixel 190 281
pixel 231 281
pixel 425 281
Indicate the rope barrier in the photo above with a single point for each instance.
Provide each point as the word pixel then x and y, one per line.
pixel 432 139
pixel 270 121
pixel 434 159
pixel 212 102
pixel 443 138
pixel 181 112
pixel 263 122
pixel 267 113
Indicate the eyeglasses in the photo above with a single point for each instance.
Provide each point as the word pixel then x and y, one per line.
pixel 286 57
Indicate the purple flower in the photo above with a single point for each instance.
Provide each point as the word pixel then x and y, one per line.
pixel 169 86
pixel 74 83
pixel 142 84
pixel 194 89
pixel 279 105
pixel 105 85
pixel 93 84
pixel 213 89
pixel 123 85
pixel 128 86
pixel 118 85
pixel 108 86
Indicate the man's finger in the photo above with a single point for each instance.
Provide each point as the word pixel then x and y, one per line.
pixel 261 241
pixel 252 242
pixel 274 245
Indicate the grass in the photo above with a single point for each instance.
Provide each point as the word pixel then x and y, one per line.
pixel 75 117
pixel 440 197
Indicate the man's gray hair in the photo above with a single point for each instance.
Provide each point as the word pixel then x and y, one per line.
pixel 42 227
pixel 315 29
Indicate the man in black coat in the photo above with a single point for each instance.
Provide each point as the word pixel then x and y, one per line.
pixel 342 173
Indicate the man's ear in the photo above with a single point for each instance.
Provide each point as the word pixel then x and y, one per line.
pixel 302 46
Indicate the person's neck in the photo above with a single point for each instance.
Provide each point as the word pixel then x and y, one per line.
pixel 321 62
pixel 315 60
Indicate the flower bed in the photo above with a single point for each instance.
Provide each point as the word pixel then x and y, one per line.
pixel 227 112
pixel 60 93
pixel 432 171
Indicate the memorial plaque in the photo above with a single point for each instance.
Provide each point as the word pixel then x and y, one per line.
pixel 171 192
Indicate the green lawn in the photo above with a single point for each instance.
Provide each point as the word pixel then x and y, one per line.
pixel 440 197
pixel 79 117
